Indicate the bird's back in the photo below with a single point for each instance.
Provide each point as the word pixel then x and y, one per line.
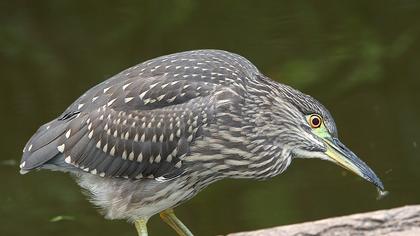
pixel 141 122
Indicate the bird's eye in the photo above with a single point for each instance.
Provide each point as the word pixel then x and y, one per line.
pixel 315 121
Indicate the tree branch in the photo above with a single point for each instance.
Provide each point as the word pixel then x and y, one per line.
pixel 400 221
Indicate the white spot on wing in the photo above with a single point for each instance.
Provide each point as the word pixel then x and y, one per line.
pixel 146 101
pixel 169 158
pixel 127 100
pixel 112 101
pixel 157 159
pixel 153 85
pixel 68 160
pixel 22 165
pixel 68 133
pixel 142 94
pixel 61 148
pixel 160 97
pixel 171 99
pixel 131 156
pixel 174 152
pixel 140 157
pixel 126 85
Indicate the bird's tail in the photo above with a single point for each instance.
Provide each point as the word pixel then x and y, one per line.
pixel 43 145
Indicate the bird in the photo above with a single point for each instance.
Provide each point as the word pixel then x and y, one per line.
pixel 151 137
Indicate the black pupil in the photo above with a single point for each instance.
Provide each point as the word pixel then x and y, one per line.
pixel 315 121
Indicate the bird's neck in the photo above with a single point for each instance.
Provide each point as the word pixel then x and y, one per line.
pixel 242 142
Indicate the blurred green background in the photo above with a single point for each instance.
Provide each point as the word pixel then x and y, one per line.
pixel 360 58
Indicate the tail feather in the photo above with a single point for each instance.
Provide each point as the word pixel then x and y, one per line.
pixel 46 134
pixel 42 146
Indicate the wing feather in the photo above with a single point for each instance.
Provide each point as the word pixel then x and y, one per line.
pixel 141 122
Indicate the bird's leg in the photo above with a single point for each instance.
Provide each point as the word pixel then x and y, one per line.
pixel 141 226
pixel 170 218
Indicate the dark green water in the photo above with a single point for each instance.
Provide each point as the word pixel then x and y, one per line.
pixel 360 58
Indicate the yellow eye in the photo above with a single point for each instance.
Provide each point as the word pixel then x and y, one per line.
pixel 315 121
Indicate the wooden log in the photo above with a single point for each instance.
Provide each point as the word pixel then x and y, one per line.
pixel 400 221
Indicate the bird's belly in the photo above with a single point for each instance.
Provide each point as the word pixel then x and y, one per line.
pixel 130 200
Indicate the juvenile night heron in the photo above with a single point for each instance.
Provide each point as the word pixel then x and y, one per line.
pixel 151 137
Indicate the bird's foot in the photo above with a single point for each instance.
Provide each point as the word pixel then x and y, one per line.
pixel 141 226
pixel 169 217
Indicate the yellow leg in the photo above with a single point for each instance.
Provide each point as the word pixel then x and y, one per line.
pixel 141 226
pixel 170 218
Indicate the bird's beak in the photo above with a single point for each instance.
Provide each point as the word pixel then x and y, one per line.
pixel 341 155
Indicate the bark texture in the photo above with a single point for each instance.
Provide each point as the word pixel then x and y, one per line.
pixel 400 221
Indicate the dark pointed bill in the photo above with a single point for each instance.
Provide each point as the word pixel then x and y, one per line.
pixel 348 160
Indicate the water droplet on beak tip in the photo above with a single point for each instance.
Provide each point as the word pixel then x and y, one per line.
pixel 381 194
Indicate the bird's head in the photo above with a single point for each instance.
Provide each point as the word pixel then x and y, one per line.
pixel 310 132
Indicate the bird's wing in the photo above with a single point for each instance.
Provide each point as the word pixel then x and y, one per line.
pixel 136 143
pixel 112 140
pixel 142 121
pixel 131 144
